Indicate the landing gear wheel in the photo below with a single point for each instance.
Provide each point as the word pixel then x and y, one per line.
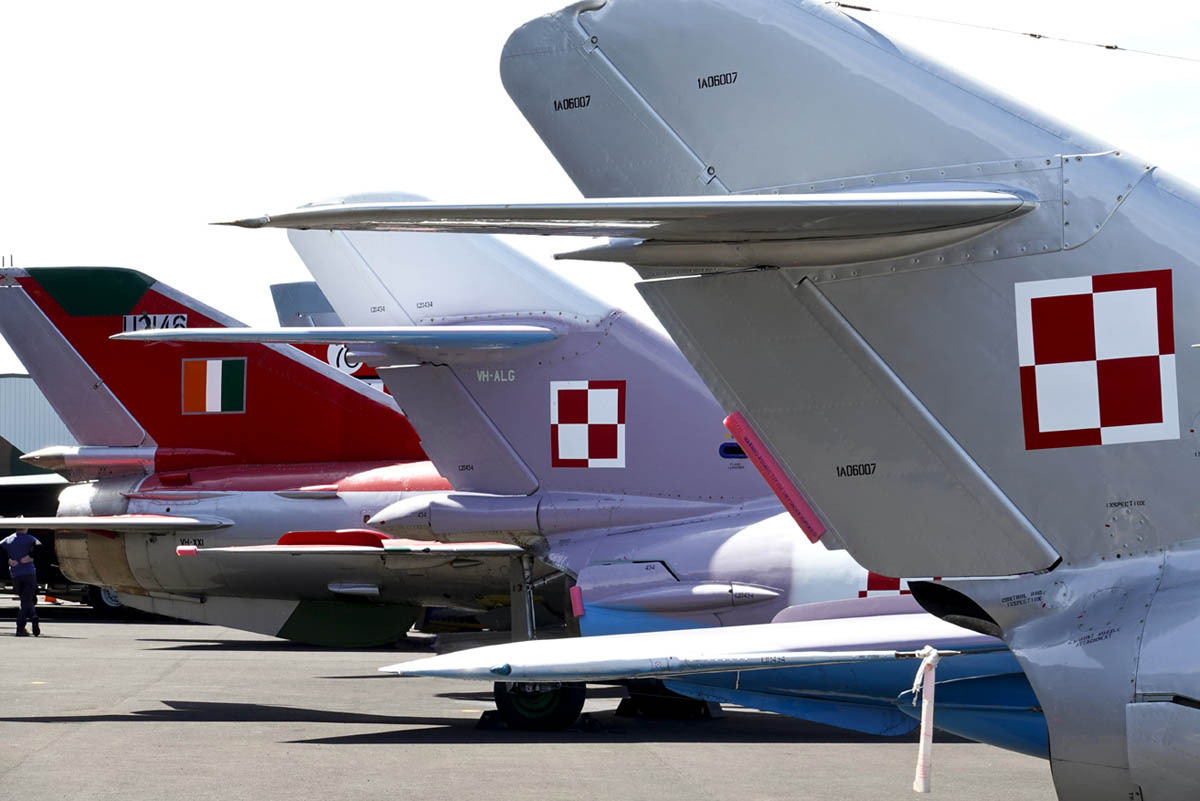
pixel 539 707
pixel 105 603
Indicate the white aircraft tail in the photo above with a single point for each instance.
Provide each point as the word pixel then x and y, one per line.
pixel 608 406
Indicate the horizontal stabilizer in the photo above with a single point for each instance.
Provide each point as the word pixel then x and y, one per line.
pixel 39 480
pixel 425 337
pixel 729 231
pixel 642 667
pixel 691 651
pixel 348 542
pixel 123 523
pixel 691 219
pixel 464 549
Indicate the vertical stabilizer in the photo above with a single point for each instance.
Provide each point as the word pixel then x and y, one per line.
pixel 222 403
pixel 1025 396
pixel 610 406
pixel 749 96
pixel 301 303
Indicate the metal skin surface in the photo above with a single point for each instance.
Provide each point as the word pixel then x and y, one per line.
pixel 205 466
pixel 73 311
pixel 430 338
pixel 794 668
pixel 665 234
pixel 683 653
pixel 754 545
pixel 725 533
pixel 1106 636
pixel 631 576
pixel 649 528
pixel 670 418
pixel 671 219
pixel 263 517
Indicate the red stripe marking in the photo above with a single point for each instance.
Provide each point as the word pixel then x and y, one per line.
pixel 409 477
pixel 787 492
pixel 266 477
pixel 877 582
pixel 348 536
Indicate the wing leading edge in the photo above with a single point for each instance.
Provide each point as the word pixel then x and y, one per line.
pixel 679 653
pixel 419 337
pixel 117 523
pixel 730 232
pixel 359 542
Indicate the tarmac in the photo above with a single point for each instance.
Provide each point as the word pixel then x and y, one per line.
pixel 143 709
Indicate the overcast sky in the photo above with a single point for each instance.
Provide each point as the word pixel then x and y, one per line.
pixel 127 127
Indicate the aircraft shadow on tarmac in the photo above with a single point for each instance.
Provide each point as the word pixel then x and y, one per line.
pixel 735 726
pixel 403 646
pixel 486 695
pixel 214 712
pixel 49 636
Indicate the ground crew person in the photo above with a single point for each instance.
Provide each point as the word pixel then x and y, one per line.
pixel 19 545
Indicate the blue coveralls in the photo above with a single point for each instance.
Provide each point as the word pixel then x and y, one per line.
pixel 19 547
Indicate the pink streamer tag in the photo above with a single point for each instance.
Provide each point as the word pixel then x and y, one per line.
pixel 576 601
pixel 185 550
pixel 787 492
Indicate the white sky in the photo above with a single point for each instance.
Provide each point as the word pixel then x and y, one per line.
pixel 126 127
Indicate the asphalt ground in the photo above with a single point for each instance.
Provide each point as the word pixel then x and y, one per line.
pixel 134 710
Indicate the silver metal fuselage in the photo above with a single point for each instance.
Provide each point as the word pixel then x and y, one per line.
pixel 739 564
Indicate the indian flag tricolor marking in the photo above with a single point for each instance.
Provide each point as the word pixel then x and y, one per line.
pixel 214 386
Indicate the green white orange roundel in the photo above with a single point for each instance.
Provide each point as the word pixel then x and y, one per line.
pixel 214 386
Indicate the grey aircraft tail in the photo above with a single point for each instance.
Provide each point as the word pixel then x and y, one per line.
pixel 753 97
pixel 987 408
pixel 1002 399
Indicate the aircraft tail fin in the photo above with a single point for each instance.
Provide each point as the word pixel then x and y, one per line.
pixel 11 464
pixel 985 409
pixel 302 304
pixel 946 379
pixel 607 406
pixel 752 97
pixel 199 403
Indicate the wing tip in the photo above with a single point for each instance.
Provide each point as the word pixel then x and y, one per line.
pixel 261 221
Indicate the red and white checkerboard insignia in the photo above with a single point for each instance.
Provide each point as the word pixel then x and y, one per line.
pixel 882 585
pixel 1097 357
pixel 587 423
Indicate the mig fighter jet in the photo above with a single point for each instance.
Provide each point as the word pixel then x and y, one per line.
pixel 600 453
pixel 949 327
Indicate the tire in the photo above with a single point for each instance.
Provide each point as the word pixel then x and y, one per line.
pixel 522 707
pixel 105 603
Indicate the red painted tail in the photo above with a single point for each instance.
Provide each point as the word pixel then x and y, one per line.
pixel 253 404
